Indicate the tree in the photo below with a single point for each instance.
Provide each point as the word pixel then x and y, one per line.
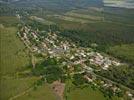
pixel 78 79
pixel 53 73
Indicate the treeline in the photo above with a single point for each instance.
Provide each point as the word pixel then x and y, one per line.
pixel 122 74
pixel 42 27
pixel 10 10
pixel 124 52
pixel 103 39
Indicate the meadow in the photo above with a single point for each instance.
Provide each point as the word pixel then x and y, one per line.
pixel 84 16
pixel 13 55
pixel 124 52
pixel 43 92
pixel 9 20
pixel 88 93
pixel 11 87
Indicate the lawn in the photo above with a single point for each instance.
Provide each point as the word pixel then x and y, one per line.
pixel 43 92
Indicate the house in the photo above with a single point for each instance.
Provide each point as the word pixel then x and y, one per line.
pixel 89 78
pixel 72 57
pixel 105 67
pixel 129 94
pixel 34 35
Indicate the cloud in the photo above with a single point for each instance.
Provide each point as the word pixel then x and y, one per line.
pixel 119 3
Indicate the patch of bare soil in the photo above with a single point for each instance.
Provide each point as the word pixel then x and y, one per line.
pixel 58 88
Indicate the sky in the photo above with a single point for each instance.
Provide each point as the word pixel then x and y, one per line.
pixel 119 3
pixel 111 3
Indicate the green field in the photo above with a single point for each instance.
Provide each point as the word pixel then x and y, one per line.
pixel 41 20
pixel 124 52
pixel 89 11
pixel 74 19
pixel 13 59
pixel 11 87
pixel 41 93
pixel 87 93
pixel 12 52
pixel 8 20
pixel 84 16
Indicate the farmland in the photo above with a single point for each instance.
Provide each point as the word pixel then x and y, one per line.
pixel 41 20
pixel 73 19
pixel 88 16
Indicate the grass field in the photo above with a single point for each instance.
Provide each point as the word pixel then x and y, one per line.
pixel 11 87
pixel 74 19
pixel 8 20
pixel 125 52
pixel 12 59
pixel 41 20
pixel 12 52
pixel 89 11
pixel 41 93
pixel 84 16
pixel 86 94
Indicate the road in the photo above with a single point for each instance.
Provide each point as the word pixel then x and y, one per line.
pixel 113 82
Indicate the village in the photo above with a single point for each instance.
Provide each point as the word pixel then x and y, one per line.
pixel 51 44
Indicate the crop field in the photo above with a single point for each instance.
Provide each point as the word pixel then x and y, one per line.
pixel 128 20
pixel 89 11
pixel 102 20
pixel 41 20
pixel 73 19
pixel 81 16
pixel 84 16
